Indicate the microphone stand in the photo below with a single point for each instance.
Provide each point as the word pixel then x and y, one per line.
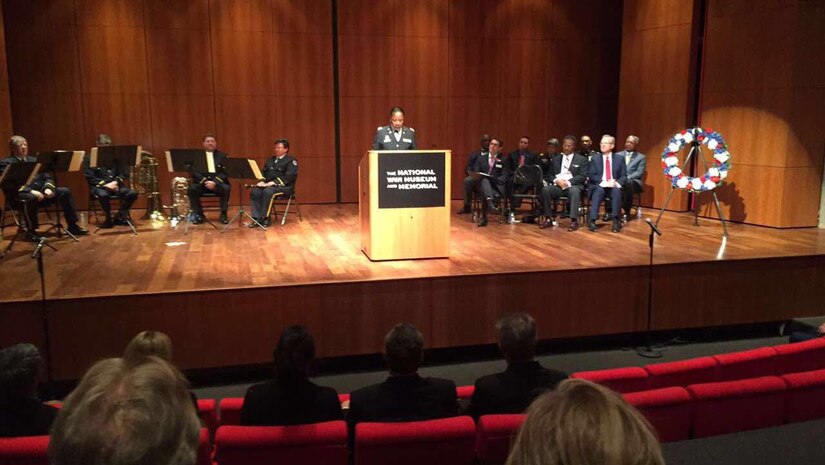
pixel 648 350
pixel 37 254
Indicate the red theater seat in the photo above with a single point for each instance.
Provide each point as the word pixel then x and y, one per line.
pixel 682 373
pixel 494 434
pixel 628 379
pixel 231 411
pixel 448 441
pixel 805 399
pixel 748 364
pixel 31 450
pixel 801 356
pixel 733 406
pixel 204 448
pixel 464 392
pixel 667 410
pixel 208 414
pixel 320 443
pixel 343 398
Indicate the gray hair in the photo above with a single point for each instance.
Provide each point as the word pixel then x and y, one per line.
pixel 104 139
pixel 635 139
pixel 611 139
pixel 16 141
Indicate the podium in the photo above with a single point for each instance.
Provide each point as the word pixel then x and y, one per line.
pixel 404 204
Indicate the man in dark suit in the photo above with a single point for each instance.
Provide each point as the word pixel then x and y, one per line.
pixel 280 173
pixel 607 174
pixel 105 182
pixel 470 182
pixel 566 177
pixel 404 396
pixel 21 412
pixel 216 182
pixel 636 166
pixel 495 168
pixel 517 158
pixel 586 147
pixel 395 136
pixel 512 390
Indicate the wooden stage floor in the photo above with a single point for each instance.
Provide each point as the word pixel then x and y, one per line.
pixel 224 298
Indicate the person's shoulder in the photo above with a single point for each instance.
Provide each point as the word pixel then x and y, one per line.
pixel 367 391
pixel 439 383
pixel 260 389
pixel 488 381
pixel 381 128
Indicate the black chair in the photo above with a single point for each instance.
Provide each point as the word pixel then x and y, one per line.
pixel 279 198
pixel 114 197
pixel 531 177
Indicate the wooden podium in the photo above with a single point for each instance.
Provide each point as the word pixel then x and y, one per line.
pixel 404 204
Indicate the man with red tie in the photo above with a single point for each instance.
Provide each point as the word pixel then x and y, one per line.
pixel 608 172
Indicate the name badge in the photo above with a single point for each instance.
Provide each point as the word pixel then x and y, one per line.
pixel 386 138
pixel 498 165
pixel 409 141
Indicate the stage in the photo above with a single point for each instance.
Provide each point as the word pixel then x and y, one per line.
pixel 224 298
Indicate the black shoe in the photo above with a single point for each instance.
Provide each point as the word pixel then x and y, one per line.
pixel 617 225
pixel 574 225
pixel 606 217
pixel 120 221
pixel 253 223
pixel 267 222
pixel 76 230
pixel 482 222
pixel 107 224
pixel 547 223
pixel 224 219
pixel 464 210
pixel 591 225
pixel 198 219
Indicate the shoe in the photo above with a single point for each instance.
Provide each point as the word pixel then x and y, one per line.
pixel 606 217
pixel 574 225
pixel 547 223
pixel 76 230
pixel 464 210
pixel 120 221
pixel 482 222
pixel 107 224
pixel 266 222
pixel 198 219
pixel 591 225
pixel 491 206
pixel 252 224
pixel 617 225
pixel 224 219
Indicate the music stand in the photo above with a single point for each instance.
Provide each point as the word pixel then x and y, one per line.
pixel 189 160
pixel 242 168
pixel 119 158
pixel 60 161
pixel 15 176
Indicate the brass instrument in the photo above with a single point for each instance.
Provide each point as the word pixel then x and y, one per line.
pixel 180 200
pixel 144 179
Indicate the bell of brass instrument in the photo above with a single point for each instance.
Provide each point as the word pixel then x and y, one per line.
pixel 144 179
pixel 180 199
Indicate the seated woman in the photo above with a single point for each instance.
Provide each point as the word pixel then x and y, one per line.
pixel 21 412
pixel 291 398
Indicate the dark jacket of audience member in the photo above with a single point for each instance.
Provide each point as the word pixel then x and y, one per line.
pixel 404 396
pixel 512 390
pixel 21 412
pixel 291 398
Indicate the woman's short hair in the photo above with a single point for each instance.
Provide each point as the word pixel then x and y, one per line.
pixel 582 423
pixel 146 344
pixel 20 366
pixel 294 355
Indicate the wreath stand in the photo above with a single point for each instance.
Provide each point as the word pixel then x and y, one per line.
pixel 696 146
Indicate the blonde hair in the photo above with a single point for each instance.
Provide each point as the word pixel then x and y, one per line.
pixel 148 343
pixel 582 423
pixel 124 414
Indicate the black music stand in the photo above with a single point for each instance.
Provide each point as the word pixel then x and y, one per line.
pixel 15 176
pixel 119 157
pixel 242 168
pixel 188 160
pixel 60 161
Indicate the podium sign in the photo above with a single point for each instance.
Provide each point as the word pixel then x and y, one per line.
pixel 404 204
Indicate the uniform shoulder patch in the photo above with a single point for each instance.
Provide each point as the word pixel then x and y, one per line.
pixel 379 128
pixel 411 129
pixel 295 162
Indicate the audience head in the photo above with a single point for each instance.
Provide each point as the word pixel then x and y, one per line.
pixel 294 355
pixel 485 143
pixel 568 144
pixel 103 140
pixel 496 145
pixel 582 423
pixel 517 337
pixel 19 146
pixel 20 367
pixel 210 142
pixel 607 143
pixel 148 344
pixel 404 349
pixel 523 143
pixel 586 142
pixel 397 117
pixel 122 414
pixel 631 143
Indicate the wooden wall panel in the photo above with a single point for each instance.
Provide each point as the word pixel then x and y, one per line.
pixel 5 99
pixel 654 90
pixel 769 111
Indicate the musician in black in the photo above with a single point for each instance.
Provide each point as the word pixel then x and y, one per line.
pixel 280 173
pixel 217 183
pixel 41 192
pixel 105 182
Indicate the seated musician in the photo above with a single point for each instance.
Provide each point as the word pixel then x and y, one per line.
pixel 41 192
pixel 216 183
pixel 105 182
pixel 280 173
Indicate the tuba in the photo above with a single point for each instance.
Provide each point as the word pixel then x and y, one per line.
pixel 144 179
pixel 180 199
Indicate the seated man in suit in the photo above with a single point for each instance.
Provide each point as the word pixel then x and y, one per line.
pixel 41 192
pixel 497 174
pixel 470 181
pixel 636 167
pixel 280 173
pixel 394 136
pixel 404 396
pixel 291 398
pixel 21 412
pixel 565 177
pixel 512 390
pixel 586 144
pixel 515 159
pixel 103 182
pixel 607 174
pixel 217 183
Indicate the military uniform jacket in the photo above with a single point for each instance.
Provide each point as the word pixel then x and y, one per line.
pixel 283 172
pixel 218 176
pixel 97 177
pixel 385 139
pixel 40 183
pixel 544 160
